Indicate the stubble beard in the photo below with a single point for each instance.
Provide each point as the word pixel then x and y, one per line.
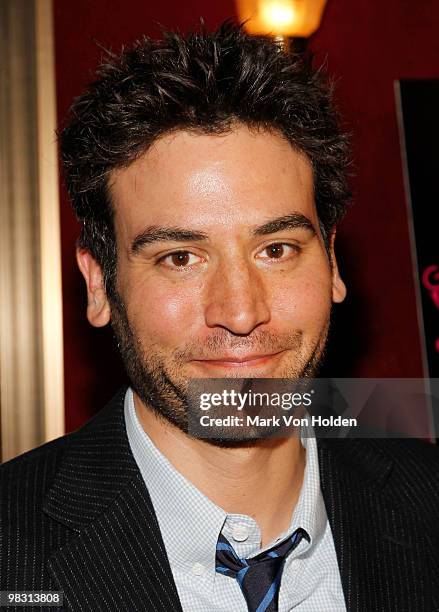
pixel 162 389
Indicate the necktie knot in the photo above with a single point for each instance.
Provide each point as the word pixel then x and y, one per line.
pixel 258 577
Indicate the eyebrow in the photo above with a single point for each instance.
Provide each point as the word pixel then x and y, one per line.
pixel 164 234
pixel 293 221
pixel 153 234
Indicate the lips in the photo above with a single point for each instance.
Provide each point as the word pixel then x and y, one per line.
pixel 240 360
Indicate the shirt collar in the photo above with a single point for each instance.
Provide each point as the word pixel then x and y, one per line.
pixel 310 512
pixel 190 522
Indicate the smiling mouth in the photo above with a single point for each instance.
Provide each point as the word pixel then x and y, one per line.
pixel 240 361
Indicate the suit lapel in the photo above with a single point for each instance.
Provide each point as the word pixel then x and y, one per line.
pixel 116 559
pixel 381 547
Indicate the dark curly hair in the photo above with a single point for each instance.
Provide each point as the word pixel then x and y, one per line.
pixel 204 82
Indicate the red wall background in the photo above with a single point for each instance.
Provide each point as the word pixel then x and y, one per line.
pixel 367 44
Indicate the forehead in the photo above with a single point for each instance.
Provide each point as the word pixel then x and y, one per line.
pixel 207 180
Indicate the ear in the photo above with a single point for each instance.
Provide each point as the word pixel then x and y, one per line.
pixel 98 307
pixel 338 286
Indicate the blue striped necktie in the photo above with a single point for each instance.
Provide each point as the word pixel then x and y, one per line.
pixel 260 576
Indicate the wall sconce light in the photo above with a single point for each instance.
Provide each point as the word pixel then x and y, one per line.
pixel 286 20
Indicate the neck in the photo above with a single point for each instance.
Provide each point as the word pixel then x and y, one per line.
pixel 261 480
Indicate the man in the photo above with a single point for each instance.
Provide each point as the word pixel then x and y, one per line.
pixel 209 173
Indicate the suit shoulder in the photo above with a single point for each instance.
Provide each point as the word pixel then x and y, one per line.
pixel 412 459
pixel 33 456
pixel 413 456
pixel 34 468
pixel 409 467
pixel 414 479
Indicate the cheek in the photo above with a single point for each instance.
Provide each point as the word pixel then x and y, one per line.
pixel 165 313
pixel 304 302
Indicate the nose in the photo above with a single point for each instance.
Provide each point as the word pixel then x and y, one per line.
pixel 236 299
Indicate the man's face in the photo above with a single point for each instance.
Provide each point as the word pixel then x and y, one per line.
pixel 222 270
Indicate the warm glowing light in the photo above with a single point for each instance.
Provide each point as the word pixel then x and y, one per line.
pixel 277 15
pixel 296 18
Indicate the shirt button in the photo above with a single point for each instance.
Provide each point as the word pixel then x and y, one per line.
pixel 240 533
pixel 198 569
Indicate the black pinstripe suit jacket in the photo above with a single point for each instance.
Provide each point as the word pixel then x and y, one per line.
pixel 76 516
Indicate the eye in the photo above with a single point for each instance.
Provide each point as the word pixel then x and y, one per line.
pixel 278 250
pixel 179 259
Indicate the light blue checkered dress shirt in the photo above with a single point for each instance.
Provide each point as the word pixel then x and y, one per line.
pixel 190 525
